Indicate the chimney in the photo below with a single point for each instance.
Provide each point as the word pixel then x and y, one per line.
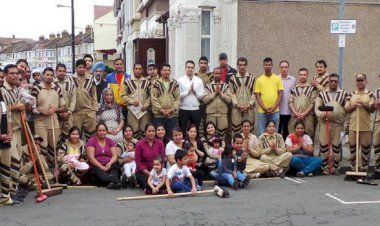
pixel 51 36
pixel 65 34
pixel 88 30
pixel 58 35
pixel 41 38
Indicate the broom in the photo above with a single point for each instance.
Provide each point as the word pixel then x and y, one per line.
pixel 49 191
pixel 40 195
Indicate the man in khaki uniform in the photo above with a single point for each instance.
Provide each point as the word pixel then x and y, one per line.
pixel 165 98
pixel 12 100
pixel 69 95
pixel 301 103
pixel 5 150
pixel 136 94
pixel 49 102
pixel 376 135
pixel 242 87
pixel 336 98
pixel 86 106
pixel 321 79
pixel 360 102
pixel 217 100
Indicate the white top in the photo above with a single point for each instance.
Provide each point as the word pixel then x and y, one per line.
pixel 171 149
pixel 305 139
pixel 289 82
pixel 190 101
pixel 176 174
pixel 157 179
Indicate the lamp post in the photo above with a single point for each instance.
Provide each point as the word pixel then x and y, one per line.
pixel 72 32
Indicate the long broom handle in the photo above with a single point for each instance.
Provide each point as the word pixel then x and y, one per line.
pixel 373 134
pixel 55 151
pixel 357 140
pixel 29 134
pixel 161 196
pixel 23 120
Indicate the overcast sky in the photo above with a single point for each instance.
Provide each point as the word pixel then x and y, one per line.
pixel 32 18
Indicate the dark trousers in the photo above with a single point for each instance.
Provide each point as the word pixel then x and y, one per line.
pixel 102 178
pixel 124 111
pixel 167 123
pixel 142 180
pixel 187 117
pixel 283 125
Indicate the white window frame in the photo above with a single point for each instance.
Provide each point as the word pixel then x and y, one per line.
pixel 210 36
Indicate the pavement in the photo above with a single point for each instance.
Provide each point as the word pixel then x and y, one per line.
pixel 320 200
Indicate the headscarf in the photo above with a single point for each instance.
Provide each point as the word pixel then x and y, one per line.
pixel 104 106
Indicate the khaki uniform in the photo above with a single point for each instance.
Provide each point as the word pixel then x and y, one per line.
pixel 163 98
pixel 281 158
pixel 217 106
pixel 27 175
pixel 84 115
pixel 336 126
pixel 63 166
pixel 69 93
pixel 365 127
pixel 43 124
pixel 243 92
pixel 137 90
pixel 376 135
pixel 206 79
pixel 5 158
pixel 301 98
pixel 253 164
pixel 323 82
pixel 11 97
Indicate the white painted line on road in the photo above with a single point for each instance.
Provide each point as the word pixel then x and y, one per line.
pixel 351 203
pixel 300 180
pixel 295 181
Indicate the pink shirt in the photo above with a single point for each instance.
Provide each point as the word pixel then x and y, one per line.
pixel 145 154
pixel 102 154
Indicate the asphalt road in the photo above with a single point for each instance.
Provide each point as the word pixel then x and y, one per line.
pixel 264 202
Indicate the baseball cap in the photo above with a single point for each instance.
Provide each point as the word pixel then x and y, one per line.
pixel 361 76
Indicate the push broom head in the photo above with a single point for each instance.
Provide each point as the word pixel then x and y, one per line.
pixel 52 191
pixel 42 197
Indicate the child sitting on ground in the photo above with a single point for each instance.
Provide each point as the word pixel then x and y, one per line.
pixel 215 153
pixel 25 95
pixel 179 178
pixel 157 178
pixel 128 177
pixel 241 160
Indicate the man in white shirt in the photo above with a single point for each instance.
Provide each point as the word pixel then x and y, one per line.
pixel 192 90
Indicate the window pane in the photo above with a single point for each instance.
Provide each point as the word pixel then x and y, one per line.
pixel 206 17
pixel 205 47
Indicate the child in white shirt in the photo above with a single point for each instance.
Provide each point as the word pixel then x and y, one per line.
pixel 128 177
pixel 157 178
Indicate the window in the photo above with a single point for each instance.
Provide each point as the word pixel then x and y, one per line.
pixel 206 34
pixel 105 56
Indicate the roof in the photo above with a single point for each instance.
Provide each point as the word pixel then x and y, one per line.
pixel 8 41
pixel 101 10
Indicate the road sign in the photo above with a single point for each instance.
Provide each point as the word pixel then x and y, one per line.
pixel 343 26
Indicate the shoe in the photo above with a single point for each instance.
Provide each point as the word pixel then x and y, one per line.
pixel 113 185
pixel 17 202
pixel 246 181
pixel 374 176
pixel 336 172
pixel 235 185
pixel 124 181
pixel 199 188
pixel 7 202
pixel 132 181
pixel 280 172
pixel 300 174
pixel 310 174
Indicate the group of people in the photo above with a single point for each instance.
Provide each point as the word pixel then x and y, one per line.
pixel 120 130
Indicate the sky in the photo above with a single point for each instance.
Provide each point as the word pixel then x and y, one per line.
pixel 32 18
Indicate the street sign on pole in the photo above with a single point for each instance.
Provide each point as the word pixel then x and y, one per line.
pixel 343 26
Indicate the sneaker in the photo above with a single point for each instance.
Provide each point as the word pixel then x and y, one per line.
pixel 17 202
pixel 7 202
pixel 199 188
pixel 310 174
pixel 246 181
pixel 124 181
pixel 280 172
pixel 300 174
pixel 235 185
pixel 255 175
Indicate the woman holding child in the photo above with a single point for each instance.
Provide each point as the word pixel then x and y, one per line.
pixel 147 149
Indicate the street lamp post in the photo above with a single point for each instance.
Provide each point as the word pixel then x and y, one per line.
pixel 72 33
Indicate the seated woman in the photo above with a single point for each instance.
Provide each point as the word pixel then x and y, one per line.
pixel 161 134
pixel 102 156
pixel 110 113
pixel 146 151
pixel 273 151
pixel 254 168
pixel 196 147
pixel 177 143
pixel 71 156
pixel 301 146
pixel 207 142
